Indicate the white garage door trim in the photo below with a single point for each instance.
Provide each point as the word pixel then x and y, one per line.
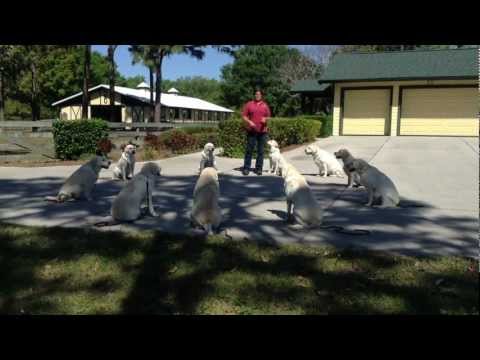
pixel 388 112
pixel 401 93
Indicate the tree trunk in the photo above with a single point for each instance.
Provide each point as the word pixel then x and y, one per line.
pixel 111 59
pixel 34 95
pixel 86 82
pixel 2 101
pixel 158 87
pixel 150 71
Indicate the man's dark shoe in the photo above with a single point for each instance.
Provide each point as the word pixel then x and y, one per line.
pixel 245 172
pixel 258 172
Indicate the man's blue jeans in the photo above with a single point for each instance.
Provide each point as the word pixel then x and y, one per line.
pixel 259 139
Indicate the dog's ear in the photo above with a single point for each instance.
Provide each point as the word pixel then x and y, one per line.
pixel 99 152
pixel 122 147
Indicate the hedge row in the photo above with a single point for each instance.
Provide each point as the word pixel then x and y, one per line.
pixel 183 140
pixel 73 138
pixel 286 131
pixel 327 124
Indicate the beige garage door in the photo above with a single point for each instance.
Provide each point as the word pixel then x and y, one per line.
pixel 439 111
pixel 366 112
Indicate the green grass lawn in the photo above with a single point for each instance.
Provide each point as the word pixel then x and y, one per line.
pixel 75 271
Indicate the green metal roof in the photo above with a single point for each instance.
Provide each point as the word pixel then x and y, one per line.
pixel 403 65
pixel 310 85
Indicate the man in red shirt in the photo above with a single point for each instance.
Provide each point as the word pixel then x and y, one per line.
pixel 255 115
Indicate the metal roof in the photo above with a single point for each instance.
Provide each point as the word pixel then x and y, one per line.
pixel 309 85
pixel 143 85
pixel 398 65
pixel 170 100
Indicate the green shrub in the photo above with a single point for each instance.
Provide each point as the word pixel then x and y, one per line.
pixel 231 137
pixel 326 121
pixel 203 138
pixel 286 131
pixel 152 141
pixel 72 138
pixel 181 141
pixel 199 129
pixel 149 153
pixel 178 141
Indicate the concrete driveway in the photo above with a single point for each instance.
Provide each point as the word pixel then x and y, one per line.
pixel 439 173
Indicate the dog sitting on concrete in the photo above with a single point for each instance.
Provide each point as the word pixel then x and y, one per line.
pixel 206 211
pixel 208 158
pixel 324 161
pixel 275 157
pixel 81 183
pixel 347 159
pixel 125 167
pixel 127 206
pixel 379 186
pixel 306 210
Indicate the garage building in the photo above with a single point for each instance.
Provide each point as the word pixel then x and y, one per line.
pixel 429 93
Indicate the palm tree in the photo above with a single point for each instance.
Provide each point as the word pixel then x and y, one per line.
pixel 141 54
pixel 86 80
pixel 157 53
pixel 111 59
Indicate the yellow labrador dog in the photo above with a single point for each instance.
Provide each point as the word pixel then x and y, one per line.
pixel 208 157
pixel 379 186
pixel 127 206
pixel 306 210
pixel 275 157
pixel 206 212
pixel 82 182
pixel 324 161
pixel 125 167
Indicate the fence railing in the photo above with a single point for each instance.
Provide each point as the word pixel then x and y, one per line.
pixel 47 124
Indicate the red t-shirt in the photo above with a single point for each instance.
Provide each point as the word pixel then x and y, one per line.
pixel 255 111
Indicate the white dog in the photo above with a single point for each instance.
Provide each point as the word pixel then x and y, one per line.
pixel 379 186
pixel 325 161
pixel 206 212
pixel 125 167
pixel 127 206
pixel 82 181
pixel 347 159
pixel 306 209
pixel 275 157
pixel 208 157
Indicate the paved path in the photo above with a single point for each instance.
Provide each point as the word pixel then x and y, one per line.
pixel 439 173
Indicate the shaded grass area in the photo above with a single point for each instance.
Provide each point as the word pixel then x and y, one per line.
pixel 83 271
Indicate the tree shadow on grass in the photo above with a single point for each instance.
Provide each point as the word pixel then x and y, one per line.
pixel 188 275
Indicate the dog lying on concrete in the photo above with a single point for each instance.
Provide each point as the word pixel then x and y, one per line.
pixel 127 206
pixel 306 210
pixel 275 157
pixel 208 158
pixel 379 186
pixel 325 161
pixel 347 159
pixel 82 182
pixel 125 167
pixel 206 212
